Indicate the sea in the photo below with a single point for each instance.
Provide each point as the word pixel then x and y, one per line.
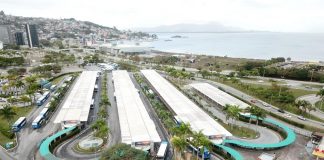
pixel 256 45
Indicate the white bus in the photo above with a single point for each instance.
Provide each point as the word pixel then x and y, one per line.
pixel 37 123
pixel 44 112
pixel 96 88
pixel 92 104
pixel 19 124
pixel 162 150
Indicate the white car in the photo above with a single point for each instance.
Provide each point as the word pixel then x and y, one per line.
pixel 301 118
pixel 287 115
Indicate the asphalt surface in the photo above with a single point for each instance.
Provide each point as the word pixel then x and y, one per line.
pixel 272 109
pixel 266 135
pixel 113 120
pixel 312 98
pixel 29 138
pixel 159 126
pixel 65 150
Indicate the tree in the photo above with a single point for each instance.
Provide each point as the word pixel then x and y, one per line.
pixel 303 106
pixel 257 112
pixel 179 144
pixel 8 113
pixel 321 94
pixel 232 112
pixel 25 99
pixel 200 141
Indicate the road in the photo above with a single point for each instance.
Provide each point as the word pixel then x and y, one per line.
pixel 272 109
pixel 266 135
pixel 65 150
pixel 312 98
pixel 28 138
pixel 113 120
pixel 159 126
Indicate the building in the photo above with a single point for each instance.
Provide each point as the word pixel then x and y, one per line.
pixel 186 110
pixel 1 45
pixel 19 36
pixel 5 34
pixel 76 108
pixel 136 126
pixel 32 35
pixel 218 96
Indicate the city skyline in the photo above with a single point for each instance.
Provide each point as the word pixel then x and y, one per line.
pixel 278 16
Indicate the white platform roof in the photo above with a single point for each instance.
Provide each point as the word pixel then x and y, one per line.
pixel 135 122
pixel 217 95
pixel 76 107
pixel 185 109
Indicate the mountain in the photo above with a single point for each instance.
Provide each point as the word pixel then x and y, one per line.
pixel 209 27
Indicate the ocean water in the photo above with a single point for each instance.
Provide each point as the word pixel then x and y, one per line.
pixel 260 45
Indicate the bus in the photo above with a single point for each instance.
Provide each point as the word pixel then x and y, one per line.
pixel 194 150
pixel 53 87
pixel 92 104
pixel 96 88
pixel 37 123
pixel 19 124
pixel 177 120
pixel 161 154
pixel 44 112
pixel 43 98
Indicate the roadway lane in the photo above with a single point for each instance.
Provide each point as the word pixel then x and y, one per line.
pixel 28 138
pixel 272 109
pixel 266 135
pixel 312 98
pixel 113 120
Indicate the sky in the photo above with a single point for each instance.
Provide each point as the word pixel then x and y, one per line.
pixel 265 15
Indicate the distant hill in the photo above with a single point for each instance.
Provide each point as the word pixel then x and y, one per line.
pixel 209 27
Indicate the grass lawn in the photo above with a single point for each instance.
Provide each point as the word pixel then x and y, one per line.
pixel 57 80
pixel 241 132
pixel 320 105
pixel 287 107
pixel 4 124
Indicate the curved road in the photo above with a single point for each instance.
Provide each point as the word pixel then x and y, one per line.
pixel 312 98
pixel 272 109
pixel 266 134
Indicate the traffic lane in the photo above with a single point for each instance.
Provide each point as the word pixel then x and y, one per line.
pixel 249 98
pixel 113 119
pixel 31 140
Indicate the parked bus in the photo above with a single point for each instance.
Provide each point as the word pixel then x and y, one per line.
pixel 177 120
pixel 44 112
pixel 37 123
pixel 96 88
pixel 195 150
pixel 53 87
pixel 19 124
pixel 161 154
pixel 43 98
pixel 92 104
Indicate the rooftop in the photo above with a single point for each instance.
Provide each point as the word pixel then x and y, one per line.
pixel 135 122
pixel 77 105
pixel 185 109
pixel 220 97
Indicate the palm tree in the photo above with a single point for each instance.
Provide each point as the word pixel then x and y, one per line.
pixel 200 140
pixel 303 105
pixel 179 144
pixel 258 113
pixel 232 112
pixel 183 130
pixel 25 99
pixel 321 94
pixel 8 113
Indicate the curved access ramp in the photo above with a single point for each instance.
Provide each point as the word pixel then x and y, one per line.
pixel 233 153
pixel 48 144
pixel 290 138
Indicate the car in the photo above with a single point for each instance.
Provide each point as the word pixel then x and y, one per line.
pixel 287 115
pixel 281 111
pixel 253 101
pixel 301 118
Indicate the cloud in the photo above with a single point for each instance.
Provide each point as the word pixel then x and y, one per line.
pixel 273 15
